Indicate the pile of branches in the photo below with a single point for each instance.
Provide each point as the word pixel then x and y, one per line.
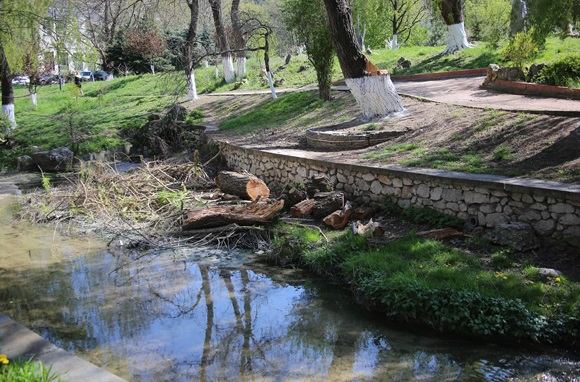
pixel 140 208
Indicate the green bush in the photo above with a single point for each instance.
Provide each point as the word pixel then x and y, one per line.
pixel 521 48
pixel 564 72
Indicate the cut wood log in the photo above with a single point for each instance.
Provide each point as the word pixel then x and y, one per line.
pixel 302 209
pixel 326 203
pixel 319 183
pixel 295 196
pixel 246 214
pixel 246 186
pixel 339 218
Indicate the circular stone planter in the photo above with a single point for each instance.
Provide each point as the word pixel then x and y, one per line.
pixel 341 137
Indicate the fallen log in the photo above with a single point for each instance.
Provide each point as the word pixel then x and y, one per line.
pixel 246 186
pixel 339 218
pixel 245 214
pixel 326 203
pixel 302 209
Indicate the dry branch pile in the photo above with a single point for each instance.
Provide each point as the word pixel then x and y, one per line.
pixel 144 206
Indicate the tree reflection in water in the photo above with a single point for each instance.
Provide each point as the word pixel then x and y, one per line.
pixel 154 318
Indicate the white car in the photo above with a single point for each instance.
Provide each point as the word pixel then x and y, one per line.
pixel 87 76
pixel 21 80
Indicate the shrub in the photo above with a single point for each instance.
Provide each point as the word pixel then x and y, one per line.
pixel 521 48
pixel 564 72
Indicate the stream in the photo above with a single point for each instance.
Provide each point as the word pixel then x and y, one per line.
pixel 212 315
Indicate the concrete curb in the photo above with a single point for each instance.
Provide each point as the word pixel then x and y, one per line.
pixel 16 341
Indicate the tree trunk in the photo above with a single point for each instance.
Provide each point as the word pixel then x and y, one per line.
pixel 372 88
pixel 223 43
pixel 245 186
pixel 456 38
pixel 267 64
pixel 217 216
pixel 191 88
pixel 518 14
pixel 239 41
pixel 7 88
pixel 394 44
pixel 190 41
pixel 228 65
pixel 452 12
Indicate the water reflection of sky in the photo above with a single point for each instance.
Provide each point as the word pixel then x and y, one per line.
pixel 162 317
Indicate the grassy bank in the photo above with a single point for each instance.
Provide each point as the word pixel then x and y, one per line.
pixel 469 290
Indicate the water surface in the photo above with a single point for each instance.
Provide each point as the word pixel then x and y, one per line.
pixel 210 315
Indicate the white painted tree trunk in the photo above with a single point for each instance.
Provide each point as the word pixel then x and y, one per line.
pixel 228 64
pixel 8 110
pixel 376 95
pixel 33 99
pixel 191 88
pixel 457 38
pixel 240 67
pixel 272 85
pixel 152 69
pixel 217 72
pixel 394 44
pixel 206 63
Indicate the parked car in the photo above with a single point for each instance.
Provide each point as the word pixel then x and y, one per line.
pixel 48 80
pixel 21 80
pixel 87 76
pixel 101 75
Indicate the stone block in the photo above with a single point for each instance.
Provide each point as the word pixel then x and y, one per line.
pixel 368 177
pixel 423 190
pixel 452 195
pixel 520 236
pixel 384 179
pixel 376 187
pixel 436 193
pixel 526 198
pixel 569 219
pixel 544 227
pixel 561 208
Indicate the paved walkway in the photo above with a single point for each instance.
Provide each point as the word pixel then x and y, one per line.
pixel 466 92
pixel 463 91
pixel 19 342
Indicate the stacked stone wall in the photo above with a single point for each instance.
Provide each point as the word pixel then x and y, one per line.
pixel 552 209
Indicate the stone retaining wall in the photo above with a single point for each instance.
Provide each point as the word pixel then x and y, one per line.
pixel 552 209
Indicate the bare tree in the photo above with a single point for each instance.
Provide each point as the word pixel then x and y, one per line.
pixel 189 49
pixel 406 14
pixel 371 87
pixel 238 39
pixel 223 43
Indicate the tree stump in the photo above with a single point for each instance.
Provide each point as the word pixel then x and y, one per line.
pixel 246 186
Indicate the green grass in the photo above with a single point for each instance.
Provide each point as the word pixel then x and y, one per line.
pixel 25 371
pixel 93 122
pixel 99 120
pixel 426 281
pixel 275 112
